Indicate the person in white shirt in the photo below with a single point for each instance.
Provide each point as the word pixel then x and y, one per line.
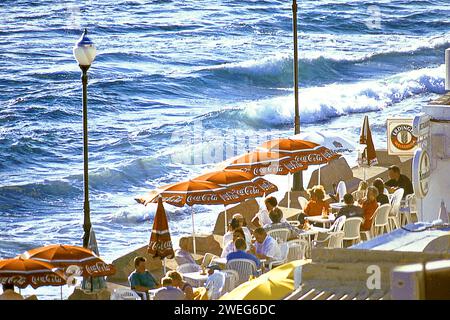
pixel 215 282
pixel 243 225
pixel 262 217
pixel 238 233
pixel 227 237
pixel 265 247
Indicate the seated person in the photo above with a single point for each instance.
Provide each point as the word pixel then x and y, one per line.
pixel 304 223
pixel 369 207
pixel 214 273
pixel 264 246
pixel 178 282
pixel 140 279
pixel 9 294
pixel 361 192
pixel 381 198
pixel 241 254
pixel 227 237
pixel 238 233
pixel 243 225
pixel 168 291
pixel 182 255
pixel 262 217
pixel 350 210
pixel 275 215
pixel 316 206
pixel 398 180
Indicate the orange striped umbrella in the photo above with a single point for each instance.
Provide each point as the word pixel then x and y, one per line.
pixel 24 272
pixel 160 244
pixel 368 156
pixel 261 162
pixel 305 152
pixel 63 256
pixel 187 192
pixel 239 183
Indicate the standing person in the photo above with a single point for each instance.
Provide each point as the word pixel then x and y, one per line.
pixel 264 246
pixel 178 282
pixel 168 291
pixel 316 205
pixel 369 207
pixel 140 279
pixel 350 210
pixel 398 180
pixel 381 198
pixel 9 293
pixel 262 217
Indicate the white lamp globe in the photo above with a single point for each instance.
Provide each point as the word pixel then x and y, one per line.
pixel 84 50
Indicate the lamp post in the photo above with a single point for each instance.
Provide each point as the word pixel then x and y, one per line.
pixel 297 184
pixel 84 52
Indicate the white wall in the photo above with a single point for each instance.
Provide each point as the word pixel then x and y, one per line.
pixel 440 174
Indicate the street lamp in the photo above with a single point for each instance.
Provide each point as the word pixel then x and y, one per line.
pixel 297 184
pixel 84 52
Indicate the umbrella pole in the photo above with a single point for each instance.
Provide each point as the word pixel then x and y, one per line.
pixel 193 231
pixel 319 175
pixel 289 190
pixel 364 173
pixel 61 292
pixel 164 265
pixel 226 220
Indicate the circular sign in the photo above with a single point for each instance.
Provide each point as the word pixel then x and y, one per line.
pixel 421 173
pixel 402 137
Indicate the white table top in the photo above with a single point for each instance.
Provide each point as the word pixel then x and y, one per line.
pixel 195 279
pixel 319 219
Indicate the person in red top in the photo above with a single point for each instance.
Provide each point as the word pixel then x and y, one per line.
pixel 369 206
pixel 316 205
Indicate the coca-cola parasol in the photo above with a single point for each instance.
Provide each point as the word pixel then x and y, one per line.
pixel 260 162
pixel 160 244
pixel 186 192
pixel 63 256
pixel 24 272
pixel 240 185
pixel 305 152
pixel 367 155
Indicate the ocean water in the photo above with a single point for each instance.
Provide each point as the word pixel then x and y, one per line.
pixel 176 87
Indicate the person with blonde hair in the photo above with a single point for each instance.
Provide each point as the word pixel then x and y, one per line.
pixel 361 192
pixel 178 282
pixel 316 205
pixel 369 207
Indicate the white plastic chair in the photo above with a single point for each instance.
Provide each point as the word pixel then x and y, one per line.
pixel 409 209
pixel 215 285
pixel 281 234
pixel 244 267
pixel 341 190
pixel 303 202
pixel 188 267
pixel 124 294
pixel 332 240
pixel 352 229
pixel 379 222
pixel 394 215
pixel 338 224
pixel 297 249
pixel 284 248
pixel 207 258
pixel 231 280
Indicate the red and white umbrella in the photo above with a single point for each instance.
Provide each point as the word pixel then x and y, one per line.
pixel 24 272
pixel 367 156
